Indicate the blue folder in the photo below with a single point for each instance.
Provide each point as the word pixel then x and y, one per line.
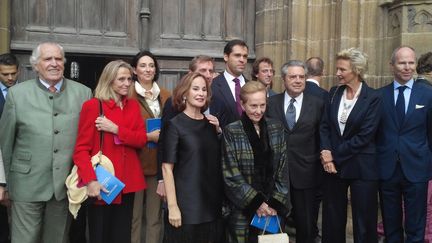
pixel 151 125
pixel 272 223
pixel 110 182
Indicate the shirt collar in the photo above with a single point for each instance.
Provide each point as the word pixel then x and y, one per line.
pixel 47 85
pixel 298 99
pixel 3 87
pixel 229 77
pixel 409 84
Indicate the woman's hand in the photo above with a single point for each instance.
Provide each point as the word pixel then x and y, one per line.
pixel 174 216
pixel 94 188
pixel 264 210
pixel 326 156
pixel 330 168
pixel 106 125
pixel 153 136
pixel 160 190
pixel 214 121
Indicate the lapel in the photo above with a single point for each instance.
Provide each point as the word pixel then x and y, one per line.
pixel 334 106
pixel 356 112
pixel 304 110
pixel 388 101
pixel 145 105
pixel 280 111
pixel 2 102
pixel 415 97
pixel 226 93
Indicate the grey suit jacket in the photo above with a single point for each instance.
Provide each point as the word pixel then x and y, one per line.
pixel 38 131
pixel 2 173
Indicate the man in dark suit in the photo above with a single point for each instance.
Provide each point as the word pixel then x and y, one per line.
pixel 301 115
pixel 404 150
pixel 226 87
pixel 9 70
pixel 315 72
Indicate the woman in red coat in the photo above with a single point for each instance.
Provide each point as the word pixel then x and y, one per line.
pixel 124 133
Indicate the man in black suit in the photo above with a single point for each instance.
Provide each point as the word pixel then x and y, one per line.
pixel 315 72
pixel 300 113
pixel 226 87
pixel 9 70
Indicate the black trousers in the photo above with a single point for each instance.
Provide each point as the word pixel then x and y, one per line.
pixel 111 223
pixel 364 205
pixel 304 206
pixel 4 225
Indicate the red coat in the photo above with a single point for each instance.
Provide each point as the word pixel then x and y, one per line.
pixel 124 156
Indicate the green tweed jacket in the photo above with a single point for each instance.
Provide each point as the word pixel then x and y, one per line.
pixel 238 166
pixel 38 132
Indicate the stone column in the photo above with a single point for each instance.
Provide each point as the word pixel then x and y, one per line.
pixel 5 26
pixel 144 15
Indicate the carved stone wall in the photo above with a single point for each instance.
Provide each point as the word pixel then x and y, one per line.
pixel 299 29
pixel 177 30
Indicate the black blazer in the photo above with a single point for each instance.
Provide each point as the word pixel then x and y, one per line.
pixel 2 102
pixel 222 99
pixel 314 89
pixel 302 141
pixel 354 151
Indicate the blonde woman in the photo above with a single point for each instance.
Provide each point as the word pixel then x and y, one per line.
pixel 124 133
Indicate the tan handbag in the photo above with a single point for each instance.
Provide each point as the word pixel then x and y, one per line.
pixel 273 238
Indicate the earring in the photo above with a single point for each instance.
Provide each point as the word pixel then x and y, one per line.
pixel 184 99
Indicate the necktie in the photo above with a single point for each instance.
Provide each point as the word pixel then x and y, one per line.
pixel 237 95
pixel 290 114
pixel 52 89
pixel 400 105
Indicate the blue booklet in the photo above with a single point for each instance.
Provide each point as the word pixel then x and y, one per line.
pixel 110 182
pixel 151 125
pixel 272 223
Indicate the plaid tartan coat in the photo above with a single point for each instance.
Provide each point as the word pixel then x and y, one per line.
pixel 238 172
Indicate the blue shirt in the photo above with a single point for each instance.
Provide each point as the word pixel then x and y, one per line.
pixel 407 92
pixel 4 90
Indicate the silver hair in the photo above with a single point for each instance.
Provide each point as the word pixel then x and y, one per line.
pixel 292 63
pixel 34 58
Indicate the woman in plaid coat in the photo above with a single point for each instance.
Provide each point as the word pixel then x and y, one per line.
pixel 254 164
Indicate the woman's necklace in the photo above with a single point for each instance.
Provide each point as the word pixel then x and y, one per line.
pixel 257 129
pixel 347 104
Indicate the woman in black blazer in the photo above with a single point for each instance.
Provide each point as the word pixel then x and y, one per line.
pixel 347 136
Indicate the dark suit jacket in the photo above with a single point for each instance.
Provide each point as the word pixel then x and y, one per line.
pixel 314 89
pixel 354 151
pixel 412 142
pixel 2 102
pixel 302 141
pixel 222 98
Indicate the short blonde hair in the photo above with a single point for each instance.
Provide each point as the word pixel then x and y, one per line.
pixel 251 87
pixel 104 90
pixel 357 59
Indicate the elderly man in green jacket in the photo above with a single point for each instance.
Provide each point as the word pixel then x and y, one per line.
pixel 38 129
